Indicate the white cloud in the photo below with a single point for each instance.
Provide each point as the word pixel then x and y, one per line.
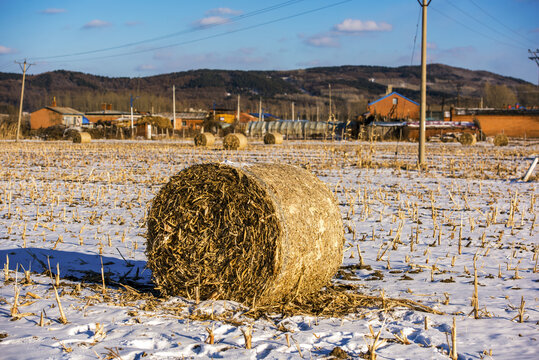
pixel 211 21
pixel 52 11
pixel 4 50
pixel 322 41
pixel 223 11
pixel 94 24
pixel 355 26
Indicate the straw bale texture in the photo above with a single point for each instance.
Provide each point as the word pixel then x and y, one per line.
pixel 82 137
pixel 467 139
pixel 258 234
pixel 235 142
pixel 273 138
pixel 204 139
pixel 501 140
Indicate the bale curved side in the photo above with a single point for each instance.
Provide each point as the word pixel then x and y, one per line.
pixel 82 138
pixel 235 141
pixel 273 138
pixel 256 234
pixel 204 139
pixel 467 139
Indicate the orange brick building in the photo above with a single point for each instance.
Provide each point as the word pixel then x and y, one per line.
pixel 394 106
pixel 513 123
pixel 55 115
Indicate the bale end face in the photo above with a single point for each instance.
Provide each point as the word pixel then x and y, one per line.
pixel 256 234
pixel 235 141
pixel 273 138
pixel 204 139
pixel 501 140
pixel 467 139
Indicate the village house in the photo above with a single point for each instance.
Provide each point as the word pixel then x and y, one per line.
pixel 56 115
pixel 394 106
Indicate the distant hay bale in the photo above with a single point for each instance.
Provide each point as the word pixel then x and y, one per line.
pixel 259 234
pixel 501 140
pixel 81 137
pixel 204 139
pixel 235 142
pixel 273 138
pixel 467 139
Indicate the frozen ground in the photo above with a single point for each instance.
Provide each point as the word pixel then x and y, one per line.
pixel 79 209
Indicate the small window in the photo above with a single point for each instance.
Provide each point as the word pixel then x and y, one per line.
pixel 395 101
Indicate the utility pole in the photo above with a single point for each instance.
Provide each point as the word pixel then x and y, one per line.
pixel 422 121
pixel 534 56
pixel 292 111
pixel 238 110
pixel 131 99
pixel 173 109
pixel 24 67
pixel 260 110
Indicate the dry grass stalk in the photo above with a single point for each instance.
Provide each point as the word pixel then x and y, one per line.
pixel 57 276
pixel 454 354
pixel 41 320
pixel 63 318
pixel 248 336
pixel 234 232
pixel 103 286
pixel 211 335
pixel 6 269
pixel 521 311
pixel 376 343
pixel 15 306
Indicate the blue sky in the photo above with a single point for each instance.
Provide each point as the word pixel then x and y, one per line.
pixel 141 38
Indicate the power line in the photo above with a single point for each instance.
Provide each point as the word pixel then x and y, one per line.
pixel 484 24
pixel 501 23
pixel 183 32
pixel 288 17
pixel 475 31
pixel 415 37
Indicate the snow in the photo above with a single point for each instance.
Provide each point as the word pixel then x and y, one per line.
pixel 80 206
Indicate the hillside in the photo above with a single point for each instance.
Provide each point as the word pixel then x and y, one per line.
pixel 351 87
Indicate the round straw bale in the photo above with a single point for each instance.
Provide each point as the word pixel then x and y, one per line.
pixel 258 234
pixel 235 142
pixel 467 139
pixel 501 140
pixel 273 138
pixel 82 137
pixel 204 139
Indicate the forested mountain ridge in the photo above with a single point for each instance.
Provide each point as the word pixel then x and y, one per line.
pixel 352 87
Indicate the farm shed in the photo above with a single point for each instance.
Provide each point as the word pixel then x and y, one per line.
pixel 55 115
pixel 394 106
pixel 514 123
pixel 108 114
pixel 190 120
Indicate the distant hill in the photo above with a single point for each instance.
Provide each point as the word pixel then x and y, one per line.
pixel 352 87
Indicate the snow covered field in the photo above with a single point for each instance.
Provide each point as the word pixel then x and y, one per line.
pixel 78 211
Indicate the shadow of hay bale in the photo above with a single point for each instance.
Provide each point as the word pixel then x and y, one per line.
pixel 257 234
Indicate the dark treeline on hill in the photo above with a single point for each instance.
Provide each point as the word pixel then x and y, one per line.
pixel 352 87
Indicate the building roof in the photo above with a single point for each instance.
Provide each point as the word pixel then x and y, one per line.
pixel 191 115
pixel 393 93
pixel 64 110
pixel 108 112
